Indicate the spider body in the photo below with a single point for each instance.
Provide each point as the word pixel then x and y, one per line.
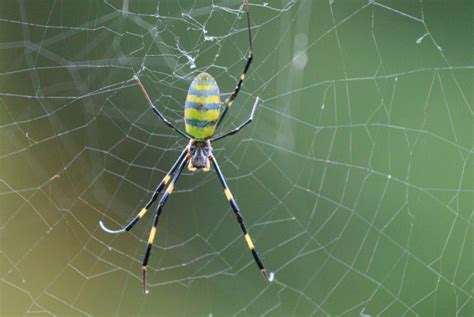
pixel 202 107
pixel 202 116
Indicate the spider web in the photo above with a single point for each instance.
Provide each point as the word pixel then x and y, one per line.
pixel 355 178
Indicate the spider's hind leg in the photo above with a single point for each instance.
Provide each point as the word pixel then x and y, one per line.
pixel 159 208
pixel 144 210
pixel 268 276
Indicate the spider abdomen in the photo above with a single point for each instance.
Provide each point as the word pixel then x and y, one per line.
pixel 202 107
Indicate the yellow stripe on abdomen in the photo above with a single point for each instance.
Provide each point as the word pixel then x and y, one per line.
pixel 203 99
pixel 200 133
pixel 204 87
pixel 209 115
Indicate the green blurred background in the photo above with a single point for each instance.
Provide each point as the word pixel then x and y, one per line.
pixel 355 179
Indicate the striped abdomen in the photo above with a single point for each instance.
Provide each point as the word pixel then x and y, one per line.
pixel 202 107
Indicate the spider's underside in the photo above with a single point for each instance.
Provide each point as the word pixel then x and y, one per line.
pixel 202 117
pixel 199 152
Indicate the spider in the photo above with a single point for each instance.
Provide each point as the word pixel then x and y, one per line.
pixel 202 117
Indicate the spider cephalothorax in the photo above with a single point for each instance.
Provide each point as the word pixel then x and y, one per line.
pixel 203 114
pixel 199 153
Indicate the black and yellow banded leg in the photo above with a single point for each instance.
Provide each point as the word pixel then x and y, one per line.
pixel 268 276
pixel 159 208
pixel 144 210
pixel 237 129
pixel 231 98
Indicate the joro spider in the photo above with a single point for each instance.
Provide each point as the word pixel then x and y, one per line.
pixel 202 117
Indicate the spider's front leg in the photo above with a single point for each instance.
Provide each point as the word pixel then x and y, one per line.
pixel 158 112
pixel 236 91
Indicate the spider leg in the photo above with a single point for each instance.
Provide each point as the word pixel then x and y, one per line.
pixel 268 276
pixel 158 112
pixel 158 189
pixel 237 129
pixel 231 98
pixel 159 208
